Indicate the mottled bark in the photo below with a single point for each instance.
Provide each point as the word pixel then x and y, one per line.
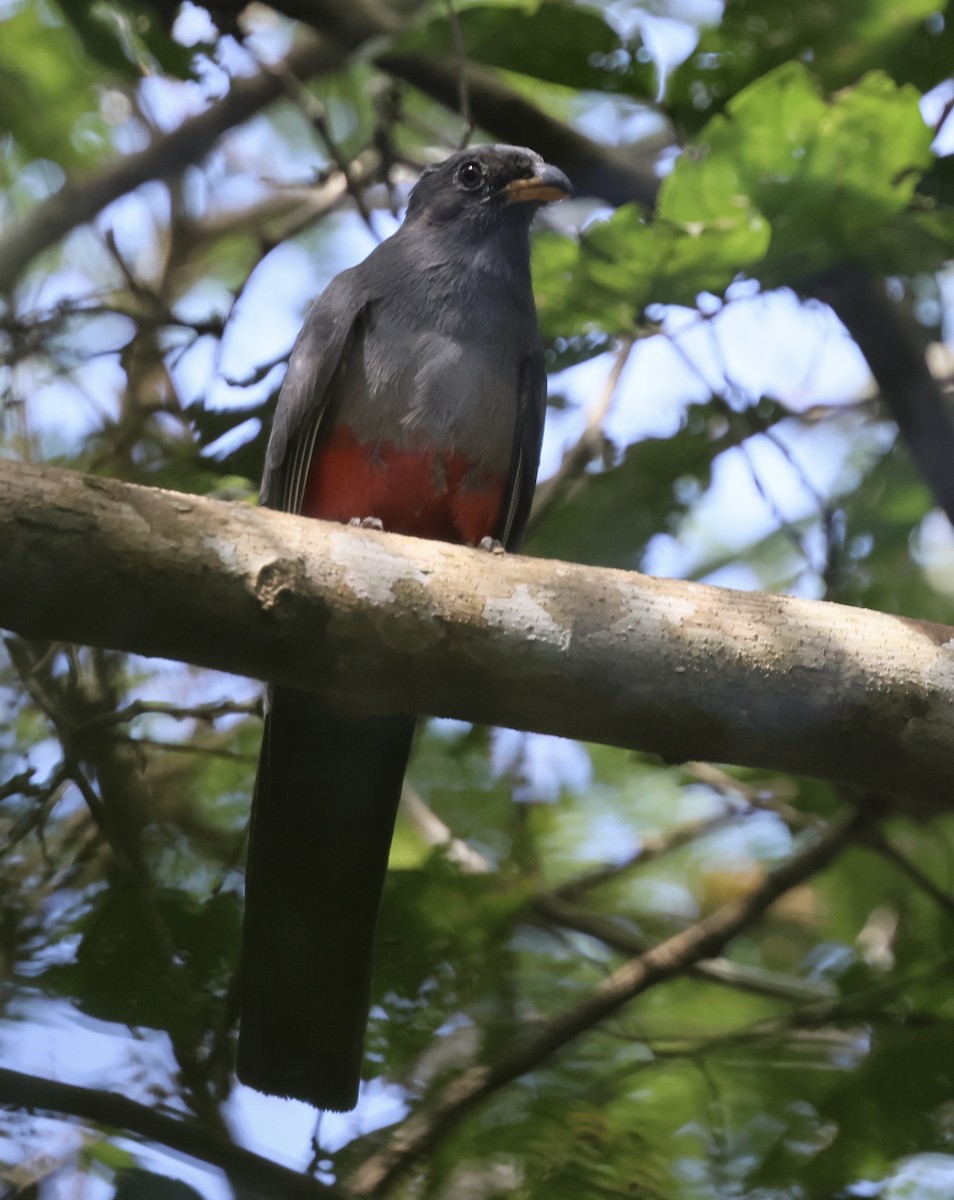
pixel 398 624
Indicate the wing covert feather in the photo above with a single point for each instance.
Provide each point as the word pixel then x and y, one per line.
pixel 307 394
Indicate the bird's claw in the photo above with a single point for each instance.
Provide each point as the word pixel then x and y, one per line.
pixel 367 523
pixel 492 545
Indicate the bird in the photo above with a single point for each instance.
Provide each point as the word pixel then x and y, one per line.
pixel 413 402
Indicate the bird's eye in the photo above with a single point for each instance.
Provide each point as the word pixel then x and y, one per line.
pixel 470 175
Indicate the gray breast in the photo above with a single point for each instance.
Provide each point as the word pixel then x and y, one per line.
pixel 441 364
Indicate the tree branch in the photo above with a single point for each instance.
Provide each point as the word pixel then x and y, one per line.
pixel 682 670
pixel 81 199
pixel 621 936
pixel 882 845
pixel 671 957
pixel 118 1112
pixel 590 445
pixel 614 174
pixel 649 851
pixel 895 349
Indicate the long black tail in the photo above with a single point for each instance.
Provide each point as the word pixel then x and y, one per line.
pixel 322 818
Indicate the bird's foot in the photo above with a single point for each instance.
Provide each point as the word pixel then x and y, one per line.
pixel 492 545
pixel 367 523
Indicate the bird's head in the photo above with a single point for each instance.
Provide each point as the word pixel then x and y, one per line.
pixel 485 187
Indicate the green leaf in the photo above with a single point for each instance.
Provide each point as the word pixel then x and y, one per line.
pixel 839 41
pixel 567 44
pixel 210 424
pixel 157 961
pixel 916 241
pixel 621 265
pixel 441 953
pixel 881 514
pixel 47 89
pixel 748 196
pixel 107 1154
pixel 610 516
pixel 131 38
pixel 139 1184
pixel 828 175
pixel 889 1107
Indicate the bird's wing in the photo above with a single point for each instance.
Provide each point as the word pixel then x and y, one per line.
pixel 526 449
pixel 303 405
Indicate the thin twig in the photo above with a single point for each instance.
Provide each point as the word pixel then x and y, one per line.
pixel 624 937
pixel 67 701
pixel 435 832
pixel 758 797
pixel 33 819
pixel 83 198
pixel 20 785
pixel 193 748
pixel 208 712
pixel 876 840
pixel 314 111
pixel 589 444
pixel 460 66
pixel 414 1136
pixel 38 326
pixel 136 286
pixel 945 113
pixel 118 1112
pixel 741 444
pixel 767 431
pixel 651 850
pixel 31 664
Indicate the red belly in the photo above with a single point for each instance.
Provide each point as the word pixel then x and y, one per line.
pixel 423 492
